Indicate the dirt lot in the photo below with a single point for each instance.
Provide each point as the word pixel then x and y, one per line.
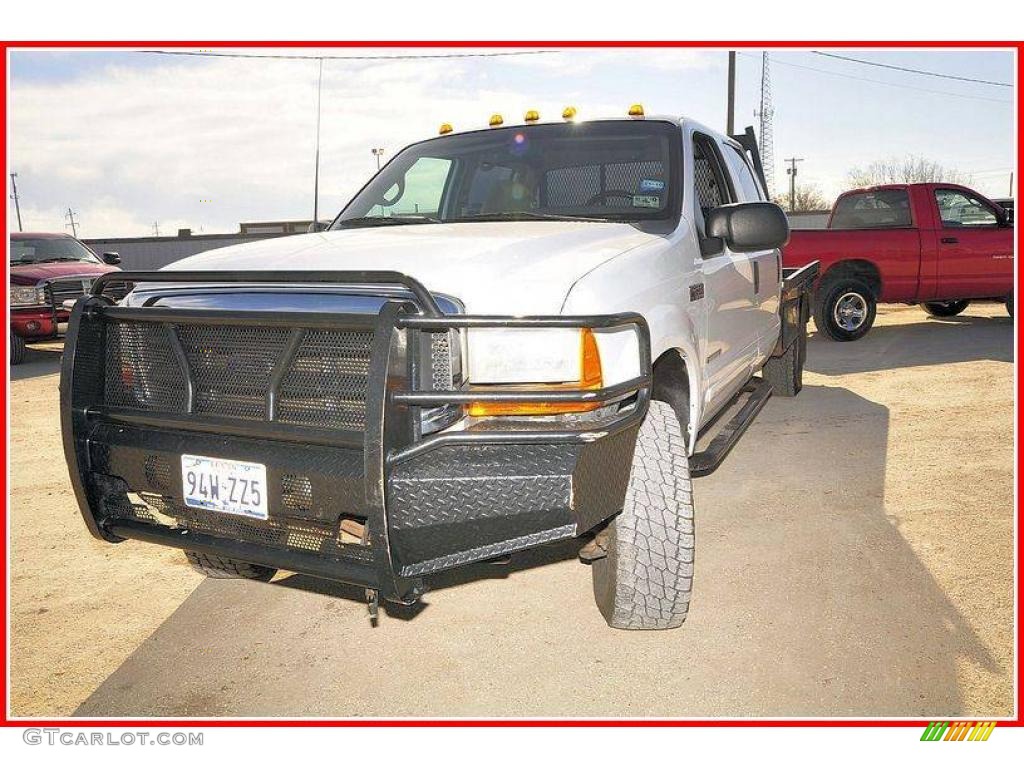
pixel 855 557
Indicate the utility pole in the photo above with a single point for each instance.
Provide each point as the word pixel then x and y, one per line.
pixel 316 170
pixel 156 229
pixel 377 152
pixel 730 109
pixel 17 204
pixel 791 172
pixel 70 216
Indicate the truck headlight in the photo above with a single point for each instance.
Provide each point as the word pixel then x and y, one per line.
pixel 548 359
pixel 27 296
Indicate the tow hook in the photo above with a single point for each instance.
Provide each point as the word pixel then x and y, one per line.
pixel 596 548
pixel 373 604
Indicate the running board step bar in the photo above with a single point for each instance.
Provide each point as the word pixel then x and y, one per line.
pixel 753 396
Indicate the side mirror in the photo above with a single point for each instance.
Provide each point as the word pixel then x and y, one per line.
pixel 111 258
pixel 317 226
pixel 749 226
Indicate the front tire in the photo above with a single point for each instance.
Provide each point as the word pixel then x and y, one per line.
pixel 18 349
pixel 645 580
pixel 225 568
pixel 945 308
pixel 845 309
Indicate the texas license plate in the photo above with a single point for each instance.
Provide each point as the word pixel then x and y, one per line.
pixel 224 485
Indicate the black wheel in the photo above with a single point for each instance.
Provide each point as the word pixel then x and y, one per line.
pixel 945 308
pixel 785 373
pixel 225 568
pixel 1009 305
pixel 845 309
pixel 17 349
pixel 645 579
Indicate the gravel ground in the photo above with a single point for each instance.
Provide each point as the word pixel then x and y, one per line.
pixel 854 558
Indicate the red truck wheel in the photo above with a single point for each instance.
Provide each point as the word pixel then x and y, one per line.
pixel 945 308
pixel 17 350
pixel 845 309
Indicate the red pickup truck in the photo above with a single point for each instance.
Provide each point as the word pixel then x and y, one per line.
pixel 938 245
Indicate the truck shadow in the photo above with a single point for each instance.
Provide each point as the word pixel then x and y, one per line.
pixel 809 601
pixel 931 341
pixel 42 360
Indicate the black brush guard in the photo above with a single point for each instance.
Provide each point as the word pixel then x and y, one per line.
pixel 429 502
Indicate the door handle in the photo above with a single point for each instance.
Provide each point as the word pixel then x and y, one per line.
pixel 949 240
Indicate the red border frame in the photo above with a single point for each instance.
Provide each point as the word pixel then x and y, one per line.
pixel 5 721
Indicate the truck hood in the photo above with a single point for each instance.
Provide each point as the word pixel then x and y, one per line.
pixel 507 268
pixel 30 274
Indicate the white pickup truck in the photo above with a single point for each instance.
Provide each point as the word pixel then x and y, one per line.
pixel 509 337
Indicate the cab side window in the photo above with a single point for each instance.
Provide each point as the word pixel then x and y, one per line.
pixel 959 209
pixel 749 189
pixel 711 187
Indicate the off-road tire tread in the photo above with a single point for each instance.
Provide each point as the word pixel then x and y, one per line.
pixel 17 349
pixel 646 580
pixel 225 568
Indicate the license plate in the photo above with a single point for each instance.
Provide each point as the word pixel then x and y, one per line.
pixel 224 485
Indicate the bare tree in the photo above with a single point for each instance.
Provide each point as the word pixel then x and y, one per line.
pixel 909 170
pixel 807 198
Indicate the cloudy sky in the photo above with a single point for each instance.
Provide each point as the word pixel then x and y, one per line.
pixel 130 139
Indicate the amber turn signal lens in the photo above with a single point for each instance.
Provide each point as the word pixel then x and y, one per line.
pixel 590 378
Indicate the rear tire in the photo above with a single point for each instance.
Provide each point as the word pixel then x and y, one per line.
pixel 225 568
pixel 646 578
pixel 18 349
pixel 945 308
pixel 845 309
pixel 1009 305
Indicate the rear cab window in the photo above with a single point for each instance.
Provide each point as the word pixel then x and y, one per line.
pixel 873 209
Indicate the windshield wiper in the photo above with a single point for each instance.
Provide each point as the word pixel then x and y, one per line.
pixel 527 216
pixel 383 221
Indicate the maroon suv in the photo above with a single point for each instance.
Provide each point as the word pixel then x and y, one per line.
pixel 47 270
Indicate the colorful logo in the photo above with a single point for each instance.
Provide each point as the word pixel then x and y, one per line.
pixel 958 731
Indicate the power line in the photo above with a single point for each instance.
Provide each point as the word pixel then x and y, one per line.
pixel 302 57
pixel 881 82
pixel 912 70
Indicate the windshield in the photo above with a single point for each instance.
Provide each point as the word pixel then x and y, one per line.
pixel 596 171
pixel 43 250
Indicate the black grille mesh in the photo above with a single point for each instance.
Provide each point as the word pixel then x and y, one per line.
pixel 282 534
pixel 326 383
pixel 232 368
pixel 141 369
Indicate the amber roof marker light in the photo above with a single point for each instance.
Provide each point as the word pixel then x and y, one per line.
pixel 496 121
pixel 531 116
pixel 445 128
pixel 569 113
pixel 637 110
